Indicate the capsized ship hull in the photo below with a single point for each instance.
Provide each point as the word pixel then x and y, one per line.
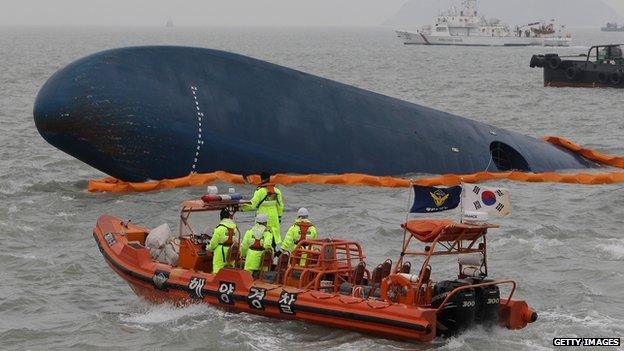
pixel 159 112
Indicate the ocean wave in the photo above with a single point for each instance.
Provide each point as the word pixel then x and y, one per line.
pixel 590 320
pixel 615 248
pixel 535 242
pixel 167 314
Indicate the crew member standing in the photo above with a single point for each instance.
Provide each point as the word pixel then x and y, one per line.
pixel 267 199
pixel 222 239
pixel 302 229
pixel 256 240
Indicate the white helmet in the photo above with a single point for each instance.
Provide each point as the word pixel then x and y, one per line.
pixel 261 218
pixel 303 212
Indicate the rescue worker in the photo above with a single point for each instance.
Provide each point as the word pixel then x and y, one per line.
pixel 267 199
pixel 256 240
pixel 302 229
pixel 222 239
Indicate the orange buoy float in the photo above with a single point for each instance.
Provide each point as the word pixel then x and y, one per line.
pixel 196 179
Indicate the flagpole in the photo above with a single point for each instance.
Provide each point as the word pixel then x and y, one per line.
pixel 461 204
pixel 399 263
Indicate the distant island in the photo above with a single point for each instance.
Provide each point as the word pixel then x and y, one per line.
pixel 573 13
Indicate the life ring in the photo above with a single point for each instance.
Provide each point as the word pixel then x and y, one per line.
pixel 394 287
pixel 554 62
pixel 572 73
pixel 602 77
pixel 615 78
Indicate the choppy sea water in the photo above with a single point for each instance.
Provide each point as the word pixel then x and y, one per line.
pixel 564 244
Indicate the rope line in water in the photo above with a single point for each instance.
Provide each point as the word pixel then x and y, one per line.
pixel 197 179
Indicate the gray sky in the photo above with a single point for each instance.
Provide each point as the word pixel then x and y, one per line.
pixel 618 5
pixel 197 12
pixel 205 12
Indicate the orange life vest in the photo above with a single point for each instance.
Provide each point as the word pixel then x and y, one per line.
pixel 257 245
pixel 271 194
pixel 270 188
pixel 303 230
pixel 230 236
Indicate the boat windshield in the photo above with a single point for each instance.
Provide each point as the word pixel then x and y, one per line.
pixel 610 54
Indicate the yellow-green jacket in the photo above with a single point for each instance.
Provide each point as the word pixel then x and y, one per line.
pixel 293 235
pixel 220 251
pixel 253 257
pixel 271 205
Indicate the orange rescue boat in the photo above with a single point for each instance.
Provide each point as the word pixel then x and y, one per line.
pixel 326 281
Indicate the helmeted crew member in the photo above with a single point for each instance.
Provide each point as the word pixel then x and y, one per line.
pixel 268 200
pixel 256 240
pixel 302 229
pixel 222 239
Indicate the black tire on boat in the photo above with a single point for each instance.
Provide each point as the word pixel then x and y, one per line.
pixel 602 77
pixel 573 73
pixel 554 62
pixel 615 78
pixel 537 61
pixel 533 59
pixel 541 62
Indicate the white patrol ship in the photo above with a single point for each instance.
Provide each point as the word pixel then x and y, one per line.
pixel 465 27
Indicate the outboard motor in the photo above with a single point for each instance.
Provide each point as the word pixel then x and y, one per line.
pixel 459 312
pixel 487 302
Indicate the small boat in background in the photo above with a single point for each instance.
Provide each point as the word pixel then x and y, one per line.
pixel 612 27
pixel 603 66
pixel 548 34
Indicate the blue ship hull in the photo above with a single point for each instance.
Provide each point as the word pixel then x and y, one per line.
pixel 158 112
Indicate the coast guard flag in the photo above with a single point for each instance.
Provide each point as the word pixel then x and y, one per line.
pixel 432 199
pixel 494 201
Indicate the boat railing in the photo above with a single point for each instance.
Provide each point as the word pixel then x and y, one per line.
pixel 472 286
pixel 323 264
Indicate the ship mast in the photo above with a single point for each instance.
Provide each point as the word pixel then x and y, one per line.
pixel 470 8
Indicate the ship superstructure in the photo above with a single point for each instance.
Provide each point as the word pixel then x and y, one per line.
pixel 465 26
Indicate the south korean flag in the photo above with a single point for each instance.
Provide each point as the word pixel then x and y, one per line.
pixel 494 201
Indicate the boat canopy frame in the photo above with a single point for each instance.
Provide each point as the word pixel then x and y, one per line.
pixel 193 206
pixel 453 239
pixel 619 60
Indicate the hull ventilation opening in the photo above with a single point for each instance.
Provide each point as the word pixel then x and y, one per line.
pixel 506 158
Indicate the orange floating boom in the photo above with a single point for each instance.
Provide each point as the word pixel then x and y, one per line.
pixel 195 179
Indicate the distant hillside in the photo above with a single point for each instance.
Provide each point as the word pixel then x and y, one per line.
pixel 573 13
